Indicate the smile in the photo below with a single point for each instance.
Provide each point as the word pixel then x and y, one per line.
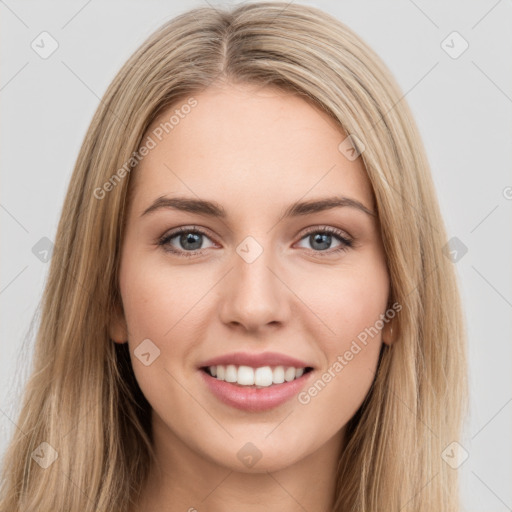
pixel 263 376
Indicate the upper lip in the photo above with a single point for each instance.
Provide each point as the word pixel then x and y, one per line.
pixel 256 360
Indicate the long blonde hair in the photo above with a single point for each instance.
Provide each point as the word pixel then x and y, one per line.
pixel 82 397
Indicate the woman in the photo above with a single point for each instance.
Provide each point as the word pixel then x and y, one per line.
pixel 306 352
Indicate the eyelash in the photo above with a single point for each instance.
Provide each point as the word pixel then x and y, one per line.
pixel 346 243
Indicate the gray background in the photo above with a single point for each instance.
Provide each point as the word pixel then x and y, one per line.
pixel 462 106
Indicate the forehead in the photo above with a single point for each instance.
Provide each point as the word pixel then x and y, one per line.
pixel 245 142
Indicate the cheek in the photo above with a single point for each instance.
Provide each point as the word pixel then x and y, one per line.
pixel 164 306
pixel 352 306
pixel 155 300
pixel 347 301
pixel 156 308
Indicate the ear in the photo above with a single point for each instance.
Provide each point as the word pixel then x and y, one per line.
pixel 118 329
pixel 388 333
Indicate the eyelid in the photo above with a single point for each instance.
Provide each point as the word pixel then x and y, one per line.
pixel 328 229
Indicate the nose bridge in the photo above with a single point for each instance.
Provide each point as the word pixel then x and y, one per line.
pixel 254 296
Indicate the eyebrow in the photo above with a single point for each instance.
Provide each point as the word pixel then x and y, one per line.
pixel 213 209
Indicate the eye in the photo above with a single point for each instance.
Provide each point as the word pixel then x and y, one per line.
pixel 189 241
pixel 320 239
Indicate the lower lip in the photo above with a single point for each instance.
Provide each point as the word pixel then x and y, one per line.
pixel 255 399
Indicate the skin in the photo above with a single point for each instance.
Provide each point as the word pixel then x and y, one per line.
pixel 255 151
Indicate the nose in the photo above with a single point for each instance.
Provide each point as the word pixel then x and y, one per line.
pixel 254 295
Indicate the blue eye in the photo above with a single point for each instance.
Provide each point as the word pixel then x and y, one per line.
pixel 190 240
pixel 322 237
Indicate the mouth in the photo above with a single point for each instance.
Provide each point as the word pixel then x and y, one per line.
pixel 255 377
pixel 255 382
pixel 255 388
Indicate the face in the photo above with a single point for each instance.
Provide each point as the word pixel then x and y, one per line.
pixel 251 295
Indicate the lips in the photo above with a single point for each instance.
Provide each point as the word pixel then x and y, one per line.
pixel 256 360
pixel 255 382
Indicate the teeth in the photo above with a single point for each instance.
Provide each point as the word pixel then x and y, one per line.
pixel 289 374
pixel 263 376
pixel 245 376
pixel 278 375
pixel 231 373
